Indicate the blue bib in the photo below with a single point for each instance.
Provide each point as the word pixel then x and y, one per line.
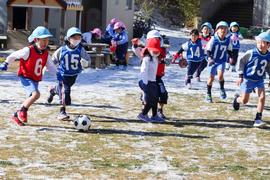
pixel 219 49
pixel 70 61
pixel 195 51
pixel 235 43
pixel 257 63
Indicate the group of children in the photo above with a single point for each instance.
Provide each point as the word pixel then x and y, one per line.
pixel 208 48
pixel 218 51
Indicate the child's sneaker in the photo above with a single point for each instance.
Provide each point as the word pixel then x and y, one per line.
pixel 258 123
pixel 223 94
pixel 50 97
pixel 156 118
pixel 144 118
pixel 160 114
pixel 208 98
pixel 227 66
pixel 236 105
pixel 63 116
pixel 16 120
pixel 22 115
pixel 233 69
pixel 198 79
pixel 188 85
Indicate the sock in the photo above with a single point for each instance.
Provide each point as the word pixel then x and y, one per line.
pixel 258 116
pixel 221 83
pixel 62 109
pixel 209 87
pixel 24 109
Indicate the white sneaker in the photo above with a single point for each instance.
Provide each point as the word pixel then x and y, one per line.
pixel 258 123
pixel 63 116
pixel 188 85
pixel 227 66
pixel 233 69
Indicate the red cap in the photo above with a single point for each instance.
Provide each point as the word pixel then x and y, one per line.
pixel 153 44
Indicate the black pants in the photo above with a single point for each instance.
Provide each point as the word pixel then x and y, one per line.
pixel 151 97
pixel 120 53
pixel 63 89
pixel 162 92
pixel 235 53
pixel 192 67
pixel 201 67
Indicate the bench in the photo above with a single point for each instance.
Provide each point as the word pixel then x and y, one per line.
pixel 97 61
pixel 3 42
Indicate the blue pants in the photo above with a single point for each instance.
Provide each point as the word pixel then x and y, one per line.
pixel 120 53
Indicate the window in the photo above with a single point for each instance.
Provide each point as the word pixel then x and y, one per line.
pixel 129 4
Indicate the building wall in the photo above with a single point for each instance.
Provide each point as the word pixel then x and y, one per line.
pixel 3 17
pixel 118 9
pixel 261 13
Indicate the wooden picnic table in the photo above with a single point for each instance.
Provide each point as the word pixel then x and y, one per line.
pixel 98 57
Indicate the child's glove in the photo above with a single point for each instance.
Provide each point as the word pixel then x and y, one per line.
pixel 234 37
pixel 59 76
pixel 4 66
pixel 176 56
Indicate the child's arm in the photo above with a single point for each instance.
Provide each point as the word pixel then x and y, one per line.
pixel 209 50
pixel 50 66
pixel 123 40
pixel 85 57
pixel 56 56
pixel 144 70
pixel 242 63
pixel 183 48
pixel 20 54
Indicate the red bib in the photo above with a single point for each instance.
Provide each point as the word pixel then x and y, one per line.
pixel 33 66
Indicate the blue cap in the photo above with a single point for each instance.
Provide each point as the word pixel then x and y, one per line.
pixel 234 24
pixel 39 32
pixel 264 36
pixel 72 31
pixel 207 24
pixel 222 23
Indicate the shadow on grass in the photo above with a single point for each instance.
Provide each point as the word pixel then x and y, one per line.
pixel 44 128
pixel 211 123
pixel 9 101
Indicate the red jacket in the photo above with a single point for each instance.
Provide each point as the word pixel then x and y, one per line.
pixel 161 64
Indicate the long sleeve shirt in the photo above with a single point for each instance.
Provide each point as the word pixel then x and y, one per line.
pixel 149 69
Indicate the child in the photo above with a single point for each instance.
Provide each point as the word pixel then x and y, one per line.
pixel 206 32
pixel 235 38
pixel 109 32
pixel 32 61
pixel 92 36
pixel 252 69
pixel 148 80
pixel 120 41
pixel 195 55
pixel 218 49
pixel 163 94
pixel 69 58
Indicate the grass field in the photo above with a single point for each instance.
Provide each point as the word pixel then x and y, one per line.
pixel 206 142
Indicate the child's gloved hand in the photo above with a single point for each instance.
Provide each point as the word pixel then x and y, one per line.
pixel 59 76
pixel 4 66
pixel 176 56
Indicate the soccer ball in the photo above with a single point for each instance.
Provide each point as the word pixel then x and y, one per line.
pixel 82 123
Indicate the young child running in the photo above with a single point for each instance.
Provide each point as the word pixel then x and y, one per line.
pixel 252 68
pixel 32 61
pixel 235 38
pixel 148 80
pixel 163 94
pixel 205 36
pixel 218 49
pixel 195 55
pixel 69 57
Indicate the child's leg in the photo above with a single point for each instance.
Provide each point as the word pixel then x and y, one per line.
pixel 29 101
pixel 261 100
pixel 201 67
pixel 243 99
pixel 221 79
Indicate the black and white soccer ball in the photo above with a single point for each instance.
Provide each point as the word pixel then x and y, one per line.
pixel 82 123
